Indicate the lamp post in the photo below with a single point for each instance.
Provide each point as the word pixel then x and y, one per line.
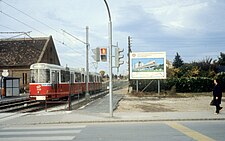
pixel 110 60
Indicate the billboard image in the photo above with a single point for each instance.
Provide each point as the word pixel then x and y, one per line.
pixel 148 65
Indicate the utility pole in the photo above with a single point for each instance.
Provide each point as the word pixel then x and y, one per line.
pixel 87 96
pixel 129 51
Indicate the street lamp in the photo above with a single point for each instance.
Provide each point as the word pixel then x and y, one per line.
pixel 110 60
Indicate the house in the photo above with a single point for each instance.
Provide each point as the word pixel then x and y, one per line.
pixel 16 56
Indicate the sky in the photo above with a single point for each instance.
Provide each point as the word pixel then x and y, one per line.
pixel 193 28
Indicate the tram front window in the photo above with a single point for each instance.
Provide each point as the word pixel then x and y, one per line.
pixel 40 76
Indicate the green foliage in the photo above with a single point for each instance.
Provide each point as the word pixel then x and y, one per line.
pixel 193 84
pixel 178 62
pixel 221 59
pixel 188 77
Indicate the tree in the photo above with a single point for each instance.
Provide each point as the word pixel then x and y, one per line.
pixel 221 59
pixel 178 62
pixel 102 73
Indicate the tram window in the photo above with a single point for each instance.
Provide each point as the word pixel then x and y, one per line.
pixel 85 80
pixel 55 77
pixel 44 76
pixel 82 79
pixel 78 77
pixel 34 76
pixel 65 76
pixel 71 78
pixel 40 76
pixel 90 78
pixel 98 79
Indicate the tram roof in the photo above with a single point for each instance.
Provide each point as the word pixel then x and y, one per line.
pixel 57 67
pixel 46 66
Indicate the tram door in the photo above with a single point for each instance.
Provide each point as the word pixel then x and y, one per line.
pixel 55 80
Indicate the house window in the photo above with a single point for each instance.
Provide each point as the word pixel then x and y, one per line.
pixel 24 78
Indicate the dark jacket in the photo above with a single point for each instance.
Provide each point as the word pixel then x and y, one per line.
pixel 217 92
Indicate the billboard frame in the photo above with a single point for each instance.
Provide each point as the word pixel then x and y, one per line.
pixel 147 65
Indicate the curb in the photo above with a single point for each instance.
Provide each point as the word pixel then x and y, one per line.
pixel 124 121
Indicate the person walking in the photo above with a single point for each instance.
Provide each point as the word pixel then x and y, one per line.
pixel 217 96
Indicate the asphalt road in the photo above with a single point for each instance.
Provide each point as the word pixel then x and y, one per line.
pixel 150 131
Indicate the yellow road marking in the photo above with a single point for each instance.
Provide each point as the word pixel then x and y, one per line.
pixel 189 132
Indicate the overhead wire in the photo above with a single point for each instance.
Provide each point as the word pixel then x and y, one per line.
pixel 63 43
pixel 29 16
pixel 7 27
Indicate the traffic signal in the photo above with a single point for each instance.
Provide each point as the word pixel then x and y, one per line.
pixel 118 57
pixel 103 53
pixel 96 55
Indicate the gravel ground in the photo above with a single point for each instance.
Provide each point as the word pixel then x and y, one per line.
pixel 165 104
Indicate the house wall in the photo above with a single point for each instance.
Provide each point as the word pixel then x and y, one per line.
pixel 50 54
pixel 23 72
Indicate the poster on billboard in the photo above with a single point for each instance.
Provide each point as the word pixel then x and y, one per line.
pixel 148 65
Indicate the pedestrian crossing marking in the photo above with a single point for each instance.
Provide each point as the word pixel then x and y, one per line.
pixel 52 133
pixel 44 132
pixel 44 127
pixel 39 138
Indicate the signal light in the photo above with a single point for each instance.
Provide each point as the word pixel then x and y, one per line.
pixel 103 52
pixel 118 57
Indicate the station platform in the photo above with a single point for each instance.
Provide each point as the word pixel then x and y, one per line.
pixel 9 99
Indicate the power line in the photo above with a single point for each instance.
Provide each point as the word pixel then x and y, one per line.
pixel 20 33
pixel 7 27
pixel 38 22
pixel 34 29
pixel 74 37
pixel 22 22
pixel 30 16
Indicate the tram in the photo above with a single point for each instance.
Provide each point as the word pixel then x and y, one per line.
pixel 49 81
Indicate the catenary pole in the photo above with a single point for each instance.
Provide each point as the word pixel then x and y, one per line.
pixel 87 96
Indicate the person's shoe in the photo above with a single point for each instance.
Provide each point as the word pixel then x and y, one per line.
pixel 221 108
pixel 216 113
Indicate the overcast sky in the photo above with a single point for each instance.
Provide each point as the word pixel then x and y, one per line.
pixel 193 28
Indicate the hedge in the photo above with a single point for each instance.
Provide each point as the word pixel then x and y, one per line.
pixel 193 84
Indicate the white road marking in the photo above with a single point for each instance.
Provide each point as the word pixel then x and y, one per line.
pixel 28 133
pixel 39 138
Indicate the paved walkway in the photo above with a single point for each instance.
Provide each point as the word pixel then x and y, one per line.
pixel 76 117
pixel 80 116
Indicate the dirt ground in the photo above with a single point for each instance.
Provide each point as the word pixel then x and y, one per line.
pixel 163 103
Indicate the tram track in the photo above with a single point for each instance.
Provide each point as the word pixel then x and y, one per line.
pixel 26 105
pixel 20 105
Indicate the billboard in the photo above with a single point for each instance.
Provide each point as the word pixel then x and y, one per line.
pixel 148 65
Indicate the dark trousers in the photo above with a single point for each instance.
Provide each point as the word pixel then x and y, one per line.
pixel 217 104
pixel 217 108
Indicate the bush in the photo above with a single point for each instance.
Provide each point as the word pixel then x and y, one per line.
pixel 193 84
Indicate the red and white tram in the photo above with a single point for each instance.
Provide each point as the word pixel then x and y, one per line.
pixel 50 81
